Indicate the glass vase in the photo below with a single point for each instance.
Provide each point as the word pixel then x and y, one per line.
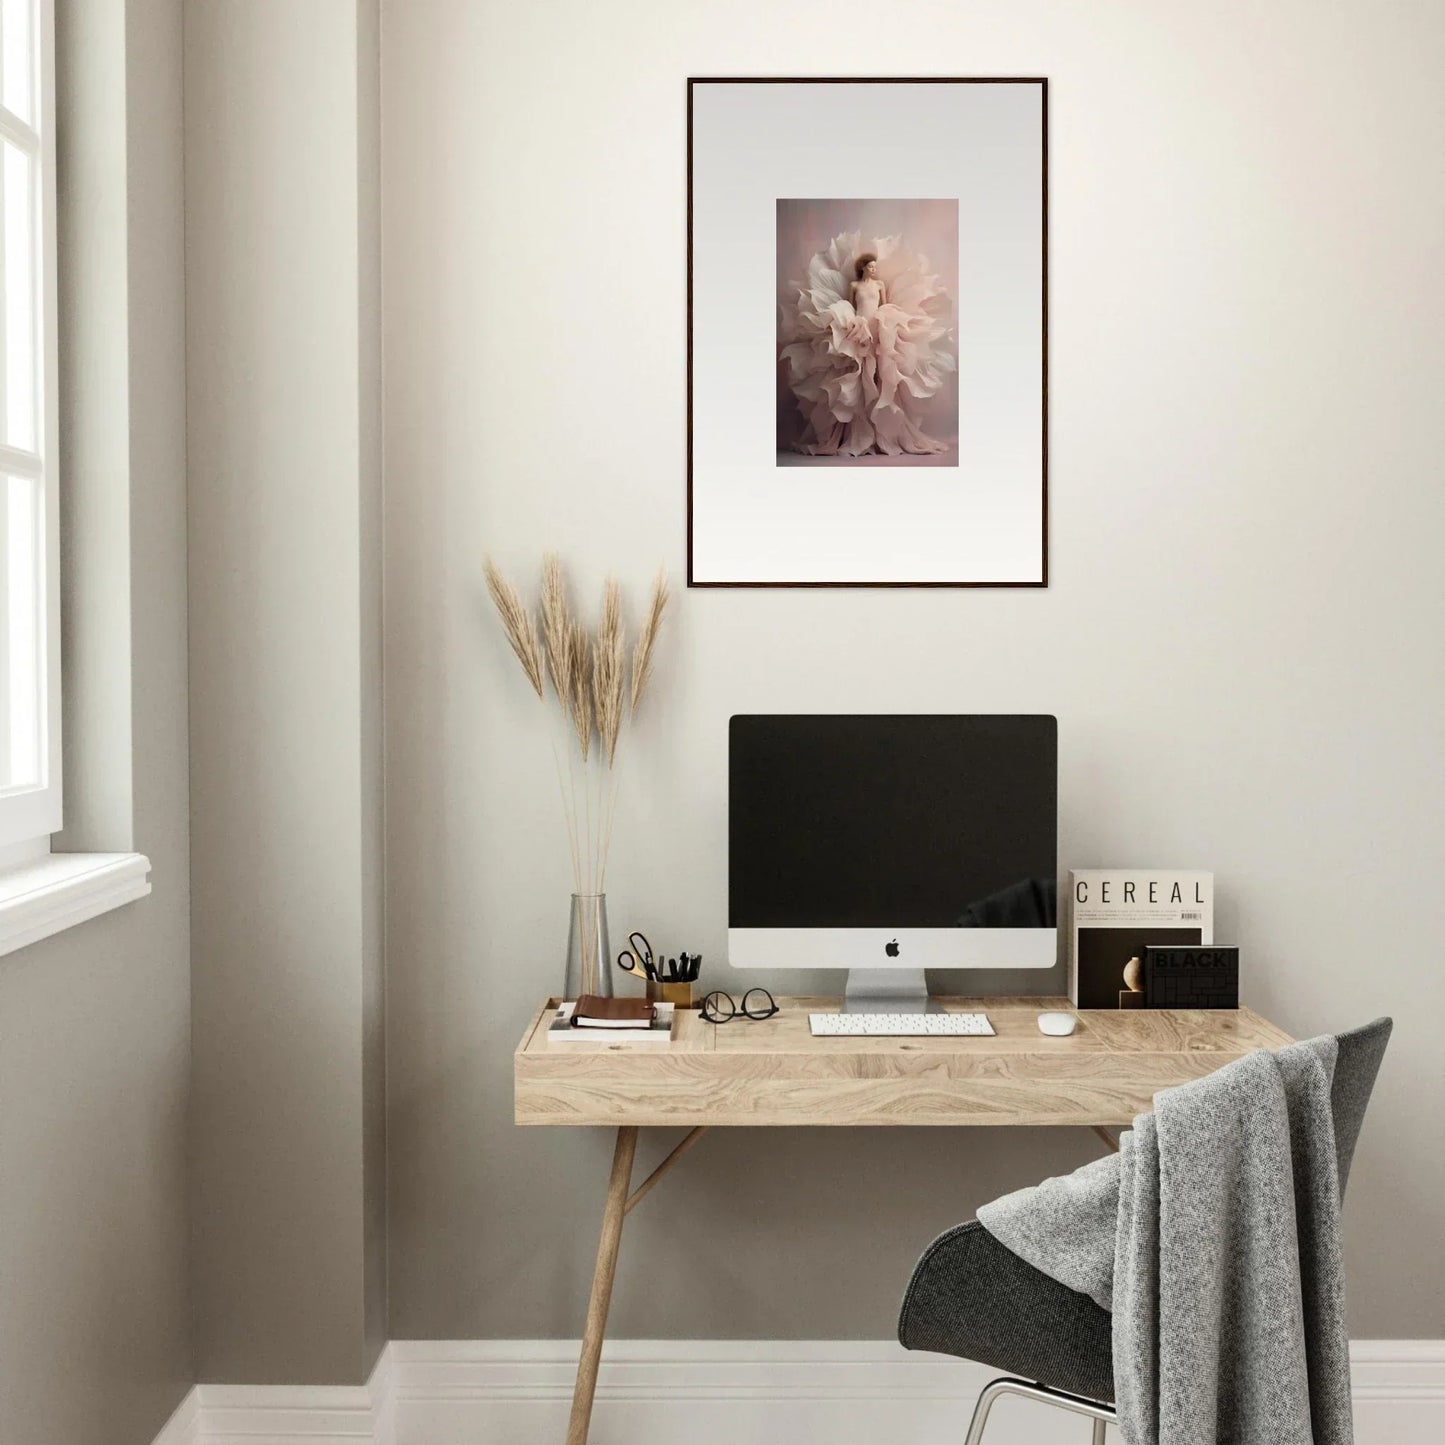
pixel 589 955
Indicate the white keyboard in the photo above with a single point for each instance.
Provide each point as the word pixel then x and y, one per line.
pixel 898 1026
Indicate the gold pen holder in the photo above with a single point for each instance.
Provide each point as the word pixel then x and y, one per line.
pixel 677 994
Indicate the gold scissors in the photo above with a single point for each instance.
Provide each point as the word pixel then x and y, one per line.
pixel 637 957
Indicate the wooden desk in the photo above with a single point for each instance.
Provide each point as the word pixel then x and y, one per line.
pixel 773 1072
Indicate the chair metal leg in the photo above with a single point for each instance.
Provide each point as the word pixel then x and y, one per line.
pixel 980 1411
pixel 1102 1415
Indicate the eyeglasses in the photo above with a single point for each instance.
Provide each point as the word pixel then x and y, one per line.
pixel 718 1007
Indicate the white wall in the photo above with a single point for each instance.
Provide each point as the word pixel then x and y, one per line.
pixel 1241 640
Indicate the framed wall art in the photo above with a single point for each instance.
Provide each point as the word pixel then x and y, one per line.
pixel 867 333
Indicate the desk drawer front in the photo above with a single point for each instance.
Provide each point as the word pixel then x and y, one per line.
pixel 909 1086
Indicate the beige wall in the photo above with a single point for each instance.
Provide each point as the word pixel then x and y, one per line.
pixel 283 429
pixel 94 1023
pixel 1241 641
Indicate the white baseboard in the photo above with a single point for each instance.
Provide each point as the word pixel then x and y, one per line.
pixel 288 1414
pixel 714 1392
pixel 1399 1391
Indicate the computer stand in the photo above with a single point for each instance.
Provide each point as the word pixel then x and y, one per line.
pixel 888 991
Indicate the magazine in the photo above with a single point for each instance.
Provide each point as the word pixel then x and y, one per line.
pixel 1115 912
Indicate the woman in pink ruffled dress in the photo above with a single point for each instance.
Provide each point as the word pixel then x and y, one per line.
pixel 867 342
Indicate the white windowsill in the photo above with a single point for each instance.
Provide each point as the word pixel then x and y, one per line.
pixel 63 889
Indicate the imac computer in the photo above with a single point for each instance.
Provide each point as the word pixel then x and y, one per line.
pixel 890 844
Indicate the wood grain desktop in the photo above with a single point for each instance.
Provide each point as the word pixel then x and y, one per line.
pixel 774 1073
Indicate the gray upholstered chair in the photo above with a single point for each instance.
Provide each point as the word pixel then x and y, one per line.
pixel 972 1297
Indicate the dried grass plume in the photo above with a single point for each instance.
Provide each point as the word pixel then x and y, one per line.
pixel 557 627
pixel 590 678
pixel 647 639
pixel 609 679
pixel 517 623
pixel 579 687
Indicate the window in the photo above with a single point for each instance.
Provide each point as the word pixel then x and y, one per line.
pixel 41 892
pixel 30 803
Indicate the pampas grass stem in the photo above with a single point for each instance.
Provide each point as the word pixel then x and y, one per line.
pixel 595 695
pixel 609 670
pixel 517 624
pixel 642 653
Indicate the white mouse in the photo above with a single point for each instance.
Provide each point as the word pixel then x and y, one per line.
pixel 1057 1024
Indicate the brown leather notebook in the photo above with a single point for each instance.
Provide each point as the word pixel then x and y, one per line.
pixel 594 1012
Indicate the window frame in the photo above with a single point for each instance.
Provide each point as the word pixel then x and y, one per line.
pixel 30 814
pixel 44 892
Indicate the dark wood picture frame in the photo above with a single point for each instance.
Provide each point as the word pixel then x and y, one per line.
pixel 1042 82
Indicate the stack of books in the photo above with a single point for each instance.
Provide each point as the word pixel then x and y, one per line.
pixel 612 1021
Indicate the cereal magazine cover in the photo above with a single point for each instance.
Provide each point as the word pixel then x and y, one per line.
pixel 1115 912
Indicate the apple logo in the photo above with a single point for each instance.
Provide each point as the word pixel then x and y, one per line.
pixel 891 948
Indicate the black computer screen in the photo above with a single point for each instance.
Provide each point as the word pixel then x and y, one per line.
pixel 892 821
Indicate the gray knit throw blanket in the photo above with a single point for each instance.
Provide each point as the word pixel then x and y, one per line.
pixel 1214 1237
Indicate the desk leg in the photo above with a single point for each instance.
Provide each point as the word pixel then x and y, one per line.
pixel 612 1214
